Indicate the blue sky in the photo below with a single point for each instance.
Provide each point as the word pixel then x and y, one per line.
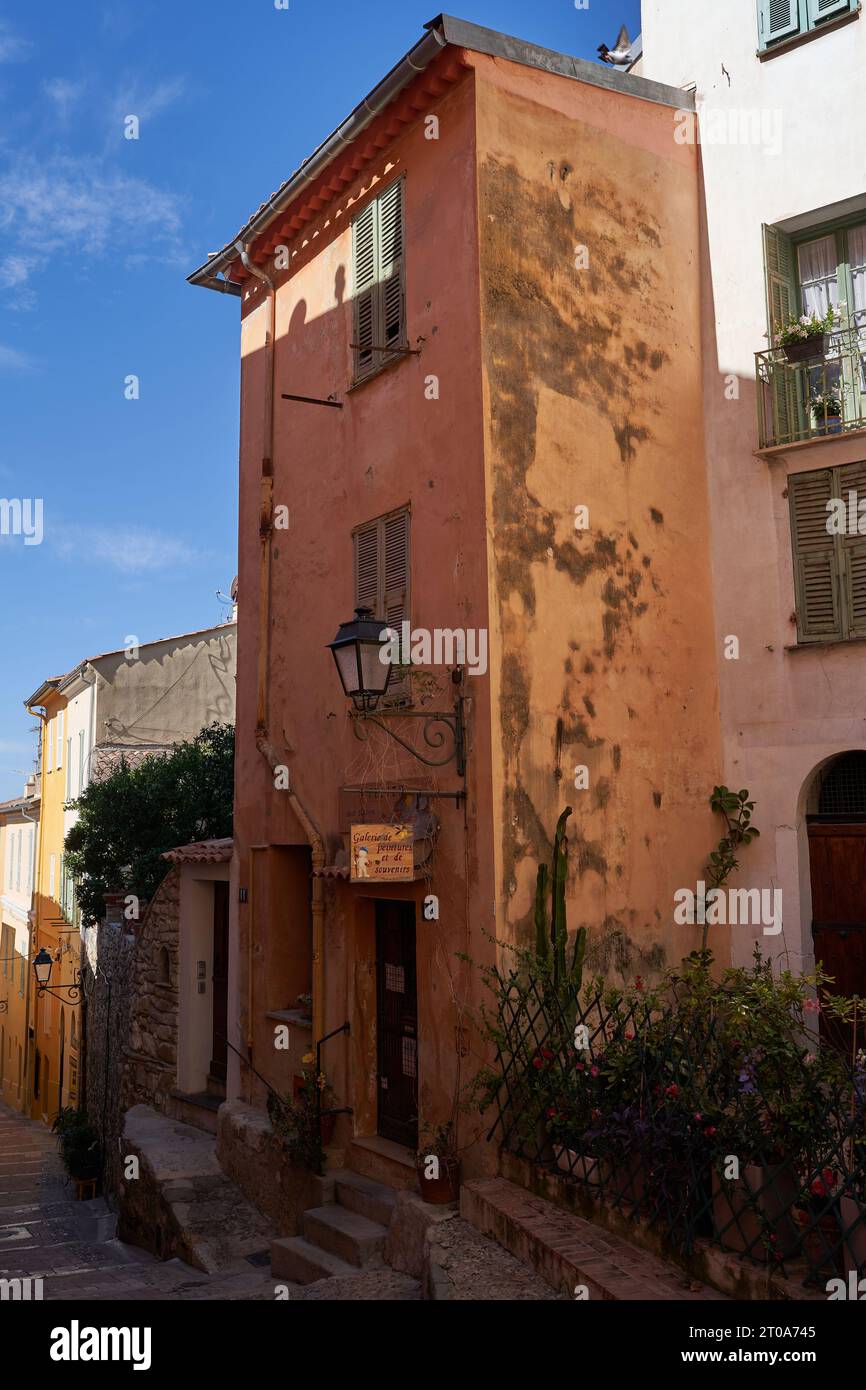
pixel 98 235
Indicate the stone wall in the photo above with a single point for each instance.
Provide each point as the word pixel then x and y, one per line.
pixel 152 1039
pixel 254 1157
pixel 131 1021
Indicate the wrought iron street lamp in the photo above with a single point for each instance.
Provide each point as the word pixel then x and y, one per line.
pixel 358 651
pixel 42 966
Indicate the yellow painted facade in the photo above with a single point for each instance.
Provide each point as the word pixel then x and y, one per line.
pixel 19 828
pixel 54 1065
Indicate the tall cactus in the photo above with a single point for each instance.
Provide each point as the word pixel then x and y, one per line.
pixel 551 931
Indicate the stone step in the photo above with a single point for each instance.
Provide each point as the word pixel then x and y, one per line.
pixel 566 1251
pixel 364 1196
pixel 299 1262
pixel 383 1161
pixel 344 1233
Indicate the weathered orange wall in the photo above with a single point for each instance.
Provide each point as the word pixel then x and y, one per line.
pixel 387 447
pixel 603 641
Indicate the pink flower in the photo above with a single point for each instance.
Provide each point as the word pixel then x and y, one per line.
pixel 594 1071
pixel 811 1006
pixel 673 1090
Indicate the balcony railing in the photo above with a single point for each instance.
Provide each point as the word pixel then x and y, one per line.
pixel 821 394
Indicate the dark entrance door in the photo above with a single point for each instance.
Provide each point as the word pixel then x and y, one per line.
pixel 220 980
pixel 837 861
pixel 397 1022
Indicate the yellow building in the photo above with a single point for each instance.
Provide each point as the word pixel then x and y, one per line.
pixel 19 832
pixel 54 1018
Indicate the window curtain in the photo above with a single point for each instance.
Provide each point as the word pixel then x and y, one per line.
pixel 818 280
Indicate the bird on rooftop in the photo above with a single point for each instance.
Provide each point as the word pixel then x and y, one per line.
pixel 620 54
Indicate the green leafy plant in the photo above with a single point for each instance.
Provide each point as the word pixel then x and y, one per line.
pixel 128 819
pixel 80 1148
pixel 296 1119
pixel 438 1141
pixel 736 808
pixel 797 329
pixel 826 403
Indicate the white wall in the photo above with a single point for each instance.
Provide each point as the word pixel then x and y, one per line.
pixel 784 711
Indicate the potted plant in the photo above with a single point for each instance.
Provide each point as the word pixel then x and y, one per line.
pixel 80 1148
pixel 827 411
pixel 438 1165
pixel 806 336
pixel 297 1120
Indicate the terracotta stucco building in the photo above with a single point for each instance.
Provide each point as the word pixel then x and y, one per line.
pixel 485 287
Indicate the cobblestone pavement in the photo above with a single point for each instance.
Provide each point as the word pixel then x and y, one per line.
pixel 46 1234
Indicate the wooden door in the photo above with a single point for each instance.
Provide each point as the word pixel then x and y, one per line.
pixel 837 862
pixel 220 979
pixel 397 1022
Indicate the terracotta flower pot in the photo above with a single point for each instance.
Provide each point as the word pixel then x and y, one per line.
pixel 853 1216
pixel 445 1188
pixel 753 1207
pixel 806 348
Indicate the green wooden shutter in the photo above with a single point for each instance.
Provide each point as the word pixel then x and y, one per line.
pixel 781 292
pixel 390 248
pixel 853 551
pixel 777 19
pixel 365 289
pixel 823 9
pixel 816 557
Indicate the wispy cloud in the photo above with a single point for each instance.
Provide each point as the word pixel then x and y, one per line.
pixel 11 360
pixel 77 206
pixel 63 94
pixel 132 550
pixel 134 99
pixel 13 49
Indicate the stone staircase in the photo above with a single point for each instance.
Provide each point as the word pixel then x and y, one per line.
pixel 343 1238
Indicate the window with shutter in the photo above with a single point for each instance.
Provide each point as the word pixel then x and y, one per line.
pixel 382 570
pixel 852 478
pixel 829 569
pixel 781 288
pixel 379 287
pixel 784 19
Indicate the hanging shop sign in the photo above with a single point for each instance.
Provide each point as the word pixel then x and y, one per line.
pixel 382 853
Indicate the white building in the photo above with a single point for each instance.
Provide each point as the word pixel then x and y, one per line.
pixel 781 98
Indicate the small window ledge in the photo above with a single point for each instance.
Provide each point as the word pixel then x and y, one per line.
pixel 386 366
pixel 797 40
pixel 774 450
pixel 822 645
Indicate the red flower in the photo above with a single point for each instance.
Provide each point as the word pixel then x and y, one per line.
pixel 698 1117
pixel 581 1066
pixel 638 984
pixel 593 1071
pixel 546 1052
pixel 596 1114
pixel 551 1112
pixel 830 1177
pixel 710 1131
pixel 673 1090
pixel 629 1037
pixel 537 1062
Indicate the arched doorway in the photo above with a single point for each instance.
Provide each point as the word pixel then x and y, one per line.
pixel 836 821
